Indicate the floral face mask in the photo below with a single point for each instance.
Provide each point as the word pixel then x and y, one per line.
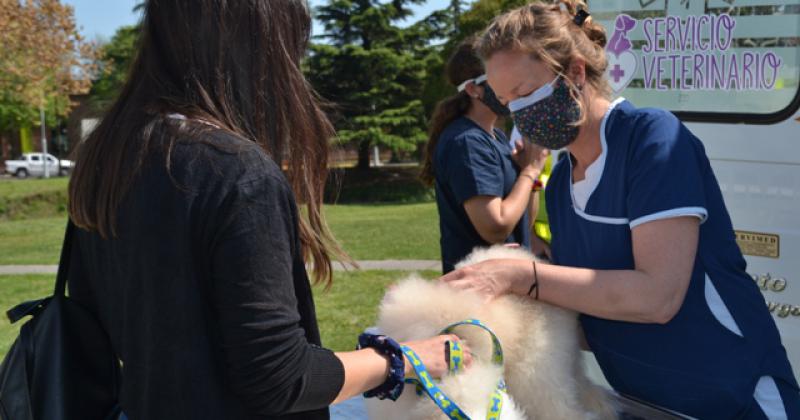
pixel 548 115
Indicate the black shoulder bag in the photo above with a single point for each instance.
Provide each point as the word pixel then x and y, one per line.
pixel 62 366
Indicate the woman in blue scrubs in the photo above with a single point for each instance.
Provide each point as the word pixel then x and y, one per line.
pixel 643 246
pixel 484 188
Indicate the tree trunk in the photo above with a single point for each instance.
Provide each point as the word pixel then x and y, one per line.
pixel 363 155
pixel 419 154
pixel 4 146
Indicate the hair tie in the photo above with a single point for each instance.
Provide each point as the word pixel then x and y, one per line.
pixel 580 17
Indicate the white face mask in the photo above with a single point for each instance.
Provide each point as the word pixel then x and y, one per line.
pixel 537 95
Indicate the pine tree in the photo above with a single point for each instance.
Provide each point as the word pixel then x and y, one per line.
pixel 373 72
pixel 461 19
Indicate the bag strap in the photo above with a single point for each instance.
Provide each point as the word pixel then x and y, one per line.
pixel 63 265
pixel 34 306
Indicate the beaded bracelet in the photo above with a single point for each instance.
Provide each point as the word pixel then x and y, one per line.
pixel 538 185
pixel 393 386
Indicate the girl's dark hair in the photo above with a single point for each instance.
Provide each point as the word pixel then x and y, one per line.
pixel 235 64
pixel 464 64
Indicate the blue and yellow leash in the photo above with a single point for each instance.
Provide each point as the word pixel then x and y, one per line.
pixel 426 383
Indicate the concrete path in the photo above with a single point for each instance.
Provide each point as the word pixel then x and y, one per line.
pixel 28 269
pixel 402 265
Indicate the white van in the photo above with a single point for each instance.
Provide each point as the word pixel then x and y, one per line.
pixel 730 69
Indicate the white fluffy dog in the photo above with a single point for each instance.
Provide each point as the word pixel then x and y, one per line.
pixel 543 365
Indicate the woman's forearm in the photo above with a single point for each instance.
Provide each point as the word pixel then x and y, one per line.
pixel 367 369
pixel 653 292
pixel 622 295
pixel 533 207
pixel 363 370
pixel 517 202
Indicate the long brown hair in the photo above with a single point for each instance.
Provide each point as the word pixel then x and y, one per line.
pixel 547 32
pixel 463 64
pixel 235 64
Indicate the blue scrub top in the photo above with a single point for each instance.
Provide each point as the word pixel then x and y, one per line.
pixel 469 162
pixel 707 360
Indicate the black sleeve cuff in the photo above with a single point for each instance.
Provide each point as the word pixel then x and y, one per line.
pixel 323 380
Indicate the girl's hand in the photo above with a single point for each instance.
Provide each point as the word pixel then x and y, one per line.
pixel 432 354
pixel 493 278
pixel 529 157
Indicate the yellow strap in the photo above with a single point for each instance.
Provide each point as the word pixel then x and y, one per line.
pixel 456 356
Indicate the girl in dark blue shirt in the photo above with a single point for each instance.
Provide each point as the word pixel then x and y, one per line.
pixel 484 188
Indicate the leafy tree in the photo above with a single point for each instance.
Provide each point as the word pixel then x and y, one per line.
pixel 374 72
pixel 480 13
pixel 43 60
pixel 116 57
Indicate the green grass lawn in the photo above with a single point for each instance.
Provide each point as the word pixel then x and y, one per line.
pixel 16 188
pixel 367 232
pixel 352 305
pixel 15 290
pixel 34 241
pixel 33 198
pixel 382 232
pixel 343 312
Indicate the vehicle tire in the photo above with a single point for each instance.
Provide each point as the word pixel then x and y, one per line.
pixel 63 172
pixel 21 173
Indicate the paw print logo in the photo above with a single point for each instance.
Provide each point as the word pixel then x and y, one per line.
pixel 621 60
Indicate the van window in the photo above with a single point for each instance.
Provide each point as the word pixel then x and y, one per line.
pixel 35 158
pixel 705 59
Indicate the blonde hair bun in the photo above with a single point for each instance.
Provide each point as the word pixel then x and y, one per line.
pixel 549 32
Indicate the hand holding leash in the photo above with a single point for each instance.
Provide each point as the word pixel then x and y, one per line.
pixel 426 383
pixel 432 354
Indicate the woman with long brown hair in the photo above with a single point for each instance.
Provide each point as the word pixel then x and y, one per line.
pixel 484 188
pixel 190 248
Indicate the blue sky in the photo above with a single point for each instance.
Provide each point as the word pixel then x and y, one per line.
pixel 101 18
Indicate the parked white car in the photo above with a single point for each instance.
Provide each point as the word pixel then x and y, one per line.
pixel 33 164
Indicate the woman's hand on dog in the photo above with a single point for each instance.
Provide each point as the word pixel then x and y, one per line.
pixel 432 354
pixel 492 278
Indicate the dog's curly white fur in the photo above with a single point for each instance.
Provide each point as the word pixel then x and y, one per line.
pixel 543 365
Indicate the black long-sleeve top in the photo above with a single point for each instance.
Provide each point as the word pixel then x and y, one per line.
pixel 204 292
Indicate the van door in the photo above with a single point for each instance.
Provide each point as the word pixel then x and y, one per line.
pixel 730 70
